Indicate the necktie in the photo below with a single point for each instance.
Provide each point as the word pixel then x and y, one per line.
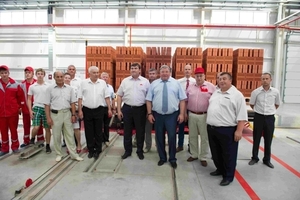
pixel 187 83
pixel 165 98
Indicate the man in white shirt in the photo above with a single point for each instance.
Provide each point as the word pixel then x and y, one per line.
pixel 37 108
pixel 106 118
pixel 132 92
pixel 184 82
pixel 264 101
pixel 93 95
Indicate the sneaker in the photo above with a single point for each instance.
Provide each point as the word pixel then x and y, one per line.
pixel 146 150
pixel 3 153
pixel 48 150
pixel 24 145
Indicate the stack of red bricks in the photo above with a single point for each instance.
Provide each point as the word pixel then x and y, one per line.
pixel 125 56
pixel 156 57
pixel 247 69
pixel 217 60
pixel 185 56
pixel 104 58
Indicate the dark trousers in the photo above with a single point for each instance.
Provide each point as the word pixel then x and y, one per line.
pixel 134 116
pixel 181 134
pixel 162 124
pixel 106 121
pixel 223 149
pixel 262 124
pixel 93 119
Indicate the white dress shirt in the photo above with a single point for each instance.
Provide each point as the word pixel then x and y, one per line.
pixel 134 91
pixel 183 82
pixel 93 94
pixel 264 101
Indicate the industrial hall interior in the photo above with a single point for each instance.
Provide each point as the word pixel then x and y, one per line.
pixel 151 99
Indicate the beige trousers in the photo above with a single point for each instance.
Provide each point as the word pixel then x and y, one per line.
pixel 197 125
pixel 62 121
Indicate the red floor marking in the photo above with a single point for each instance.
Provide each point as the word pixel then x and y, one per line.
pixel 246 186
pixel 278 160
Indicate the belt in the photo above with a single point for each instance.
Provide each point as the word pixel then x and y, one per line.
pixel 134 106
pixel 264 115
pixel 198 113
pixel 215 127
pixel 62 110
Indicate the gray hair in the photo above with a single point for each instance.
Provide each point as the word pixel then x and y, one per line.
pixel 104 73
pixel 93 68
pixel 71 66
pixel 152 70
pixel 165 67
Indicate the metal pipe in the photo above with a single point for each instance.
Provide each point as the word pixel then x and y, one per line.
pixel 130 35
pixel 290 21
pixel 286 18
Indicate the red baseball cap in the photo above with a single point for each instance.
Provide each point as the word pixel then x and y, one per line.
pixel 199 70
pixel 4 67
pixel 29 69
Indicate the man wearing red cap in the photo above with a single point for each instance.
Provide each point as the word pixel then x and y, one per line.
pixel 29 80
pixel 11 100
pixel 198 95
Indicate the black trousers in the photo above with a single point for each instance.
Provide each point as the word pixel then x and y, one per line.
pixel 106 121
pixel 93 119
pixel 134 116
pixel 263 124
pixel 223 149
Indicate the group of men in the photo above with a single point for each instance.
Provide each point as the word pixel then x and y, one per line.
pixel 216 113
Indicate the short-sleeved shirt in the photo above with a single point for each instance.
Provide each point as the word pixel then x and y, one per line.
pixel 183 82
pixel 111 92
pixel 175 95
pixel 198 96
pixel 226 108
pixel 264 101
pixel 93 94
pixel 133 91
pixel 38 91
pixel 59 97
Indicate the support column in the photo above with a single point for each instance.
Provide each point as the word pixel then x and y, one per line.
pixel 51 40
pixel 202 29
pixel 279 52
pixel 126 29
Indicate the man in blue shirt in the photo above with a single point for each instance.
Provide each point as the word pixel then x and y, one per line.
pixel 163 98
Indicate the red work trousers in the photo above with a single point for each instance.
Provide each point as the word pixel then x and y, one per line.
pixel 10 123
pixel 26 126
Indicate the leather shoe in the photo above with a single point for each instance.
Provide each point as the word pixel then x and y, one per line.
pixel 125 155
pixel 91 154
pixel 190 159
pixel 96 156
pixel 252 162
pixel 178 149
pixel 225 182
pixel 203 163
pixel 174 165
pixel 160 163
pixel 215 173
pixel 141 156
pixel 269 164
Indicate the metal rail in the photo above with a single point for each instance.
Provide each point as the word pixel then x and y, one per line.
pixel 47 180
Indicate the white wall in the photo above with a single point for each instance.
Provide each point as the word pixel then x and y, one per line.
pixel 29 46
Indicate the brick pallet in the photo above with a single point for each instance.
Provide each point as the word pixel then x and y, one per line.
pixel 217 60
pixel 184 56
pixel 247 69
pixel 156 57
pixel 125 56
pixel 104 58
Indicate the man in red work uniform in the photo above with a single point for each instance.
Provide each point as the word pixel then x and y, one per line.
pixel 29 80
pixel 11 100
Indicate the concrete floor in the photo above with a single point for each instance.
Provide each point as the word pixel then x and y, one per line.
pixel 113 178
